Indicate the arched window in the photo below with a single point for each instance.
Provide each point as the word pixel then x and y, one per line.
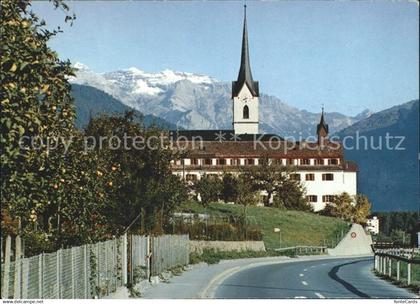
pixel 246 112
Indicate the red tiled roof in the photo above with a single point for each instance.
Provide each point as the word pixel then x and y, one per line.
pixel 274 149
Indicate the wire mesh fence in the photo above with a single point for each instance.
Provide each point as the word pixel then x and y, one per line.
pixel 169 251
pixel 88 271
pixel 92 270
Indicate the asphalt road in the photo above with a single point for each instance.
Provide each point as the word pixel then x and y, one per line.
pixel 334 278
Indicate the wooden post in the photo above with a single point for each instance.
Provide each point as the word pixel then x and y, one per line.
pixel 6 270
pixel 398 270
pixel 18 268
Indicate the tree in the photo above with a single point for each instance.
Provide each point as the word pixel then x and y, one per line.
pixel 229 188
pixel 290 195
pixel 274 181
pixel 48 183
pixel 246 190
pixel 140 157
pixel 362 209
pixel 210 189
pixel 341 207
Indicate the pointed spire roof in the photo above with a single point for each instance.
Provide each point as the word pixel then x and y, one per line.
pixel 322 123
pixel 245 75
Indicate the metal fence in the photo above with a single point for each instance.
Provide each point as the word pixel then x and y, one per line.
pixel 83 272
pixel 93 270
pixel 169 251
pixel 152 255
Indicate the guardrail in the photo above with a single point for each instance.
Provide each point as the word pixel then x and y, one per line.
pixel 304 249
pixel 395 263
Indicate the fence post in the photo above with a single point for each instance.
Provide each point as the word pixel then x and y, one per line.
pixel 58 273
pixel 398 270
pixel 40 272
pixel 73 289
pixel 124 259
pixel 6 270
pixel 85 270
pixel 148 256
pixel 408 273
pixel 18 268
pixel 390 267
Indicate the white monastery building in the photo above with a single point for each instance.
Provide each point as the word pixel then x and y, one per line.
pixel 320 166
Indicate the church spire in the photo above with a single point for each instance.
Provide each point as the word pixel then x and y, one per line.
pixel 245 75
pixel 322 129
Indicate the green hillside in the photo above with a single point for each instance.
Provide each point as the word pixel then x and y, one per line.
pixel 297 227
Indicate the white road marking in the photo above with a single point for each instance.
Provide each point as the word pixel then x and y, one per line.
pixel 312 266
pixel 305 283
pixel 301 274
pixel 305 269
pixel 300 297
pixel 319 295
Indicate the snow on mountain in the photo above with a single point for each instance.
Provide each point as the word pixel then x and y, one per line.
pixel 194 101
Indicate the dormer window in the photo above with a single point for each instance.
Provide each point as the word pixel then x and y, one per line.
pixel 246 112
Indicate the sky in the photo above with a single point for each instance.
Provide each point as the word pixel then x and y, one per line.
pixel 347 56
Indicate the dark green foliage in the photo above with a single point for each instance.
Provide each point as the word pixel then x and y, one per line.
pixel 229 188
pixel 144 183
pixel 209 188
pixel 392 225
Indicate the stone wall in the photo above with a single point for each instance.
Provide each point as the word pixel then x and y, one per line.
pixel 198 246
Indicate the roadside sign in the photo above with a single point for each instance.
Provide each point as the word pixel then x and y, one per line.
pixel 276 229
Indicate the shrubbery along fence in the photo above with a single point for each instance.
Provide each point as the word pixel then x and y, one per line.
pixel 89 271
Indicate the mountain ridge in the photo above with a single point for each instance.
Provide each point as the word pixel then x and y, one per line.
pixel 197 101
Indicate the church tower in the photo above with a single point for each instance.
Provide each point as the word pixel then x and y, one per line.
pixel 245 93
pixel 322 130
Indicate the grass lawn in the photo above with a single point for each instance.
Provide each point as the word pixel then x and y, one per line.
pixel 297 227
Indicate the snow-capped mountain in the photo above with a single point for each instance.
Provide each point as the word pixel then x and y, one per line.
pixel 194 101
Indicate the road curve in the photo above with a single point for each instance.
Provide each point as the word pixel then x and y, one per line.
pixel 332 278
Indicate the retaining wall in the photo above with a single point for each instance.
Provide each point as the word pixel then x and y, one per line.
pixel 198 246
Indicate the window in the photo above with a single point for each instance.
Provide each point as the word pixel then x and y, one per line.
pixel 191 177
pixel 235 162
pixel 212 175
pixel 310 176
pixel 194 161
pixel 305 161
pixel 328 198
pixel 332 161
pixel 295 176
pixel 319 161
pixel 327 177
pixel 207 161
pixel 246 112
pixel 222 161
pixel 311 198
pixel 250 161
